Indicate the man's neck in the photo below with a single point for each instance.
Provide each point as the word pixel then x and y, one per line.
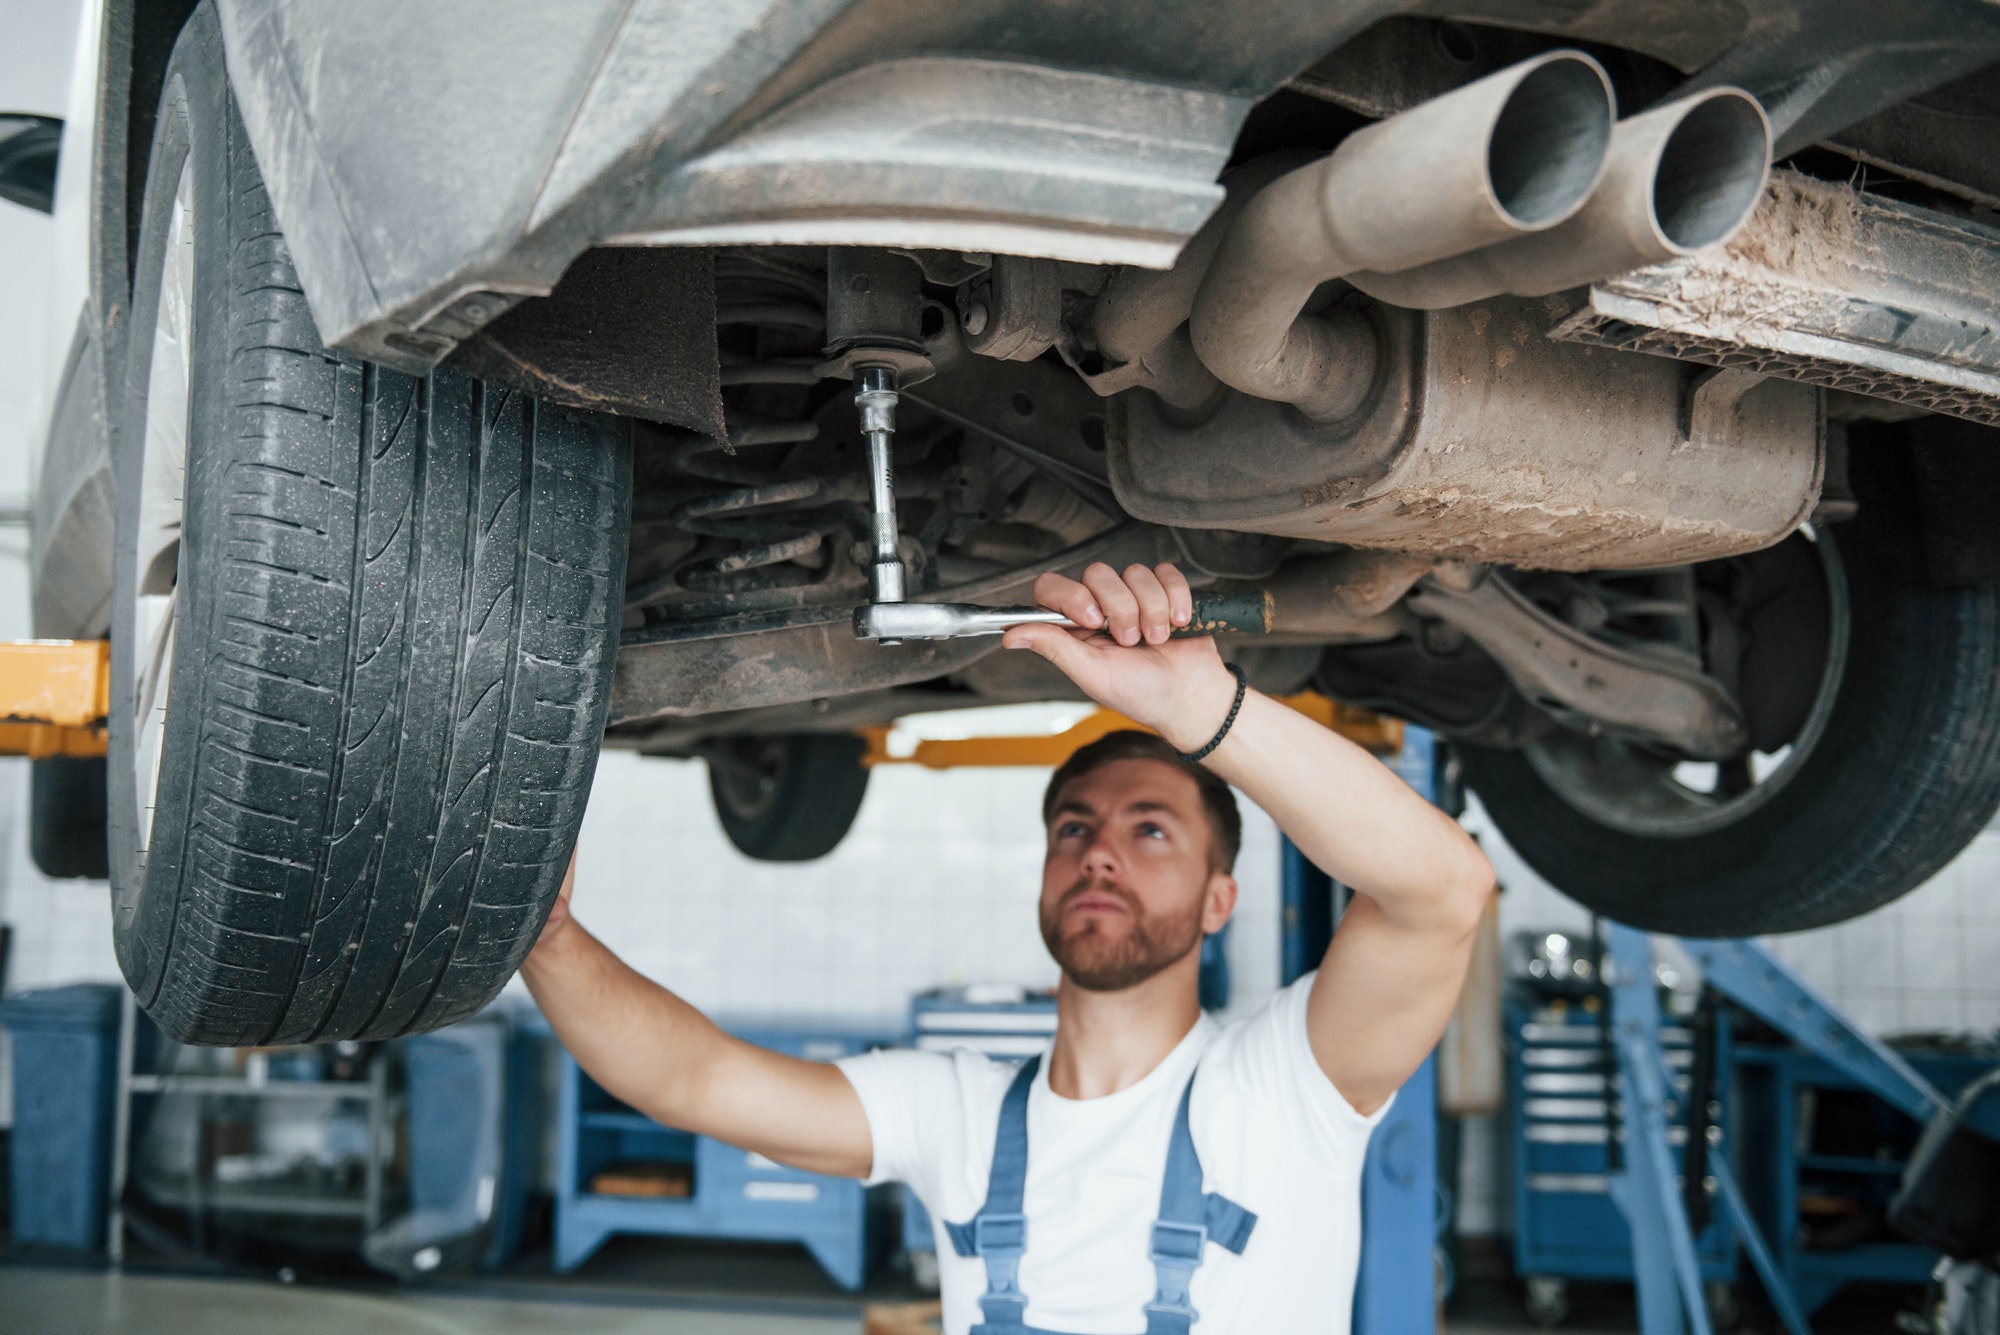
pixel 1108 1041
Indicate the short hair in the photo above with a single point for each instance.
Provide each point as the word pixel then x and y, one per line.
pixel 1218 801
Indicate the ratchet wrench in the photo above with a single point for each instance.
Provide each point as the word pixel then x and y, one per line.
pixel 1214 613
pixel 888 619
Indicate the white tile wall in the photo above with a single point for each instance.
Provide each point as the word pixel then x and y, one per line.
pixel 1928 961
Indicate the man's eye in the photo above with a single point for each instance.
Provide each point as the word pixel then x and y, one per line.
pixel 1148 830
pixel 1069 829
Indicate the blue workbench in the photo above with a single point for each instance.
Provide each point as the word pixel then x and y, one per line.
pixel 734 1193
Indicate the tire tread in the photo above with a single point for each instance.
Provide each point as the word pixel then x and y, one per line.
pixel 378 826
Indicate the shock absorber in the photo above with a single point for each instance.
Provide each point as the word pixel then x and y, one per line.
pixel 874 328
pixel 875 397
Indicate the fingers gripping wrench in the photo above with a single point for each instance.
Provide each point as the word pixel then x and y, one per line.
pixel 888 619
pixel 891 623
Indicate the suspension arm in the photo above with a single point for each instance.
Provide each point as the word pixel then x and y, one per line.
pixel 1561 668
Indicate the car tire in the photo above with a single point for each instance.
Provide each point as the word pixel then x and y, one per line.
pixel 364 627
pixel 1903 772
pixel 790 798
pixel 66 817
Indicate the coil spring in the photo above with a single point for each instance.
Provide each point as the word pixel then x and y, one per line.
pixel 747 513
pixel 766 292
pixel 760 514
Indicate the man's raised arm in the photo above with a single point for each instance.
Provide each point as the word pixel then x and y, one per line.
pixel 665 1058
pixel 1393 972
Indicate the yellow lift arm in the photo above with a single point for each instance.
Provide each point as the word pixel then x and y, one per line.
pixel 1383 736
pixel 54 695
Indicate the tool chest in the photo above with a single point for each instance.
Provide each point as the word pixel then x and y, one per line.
pixel 622 1172
pixel 1566 1225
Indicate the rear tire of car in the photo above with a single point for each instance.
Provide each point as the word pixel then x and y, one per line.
pixel 791 798
pixel 66 818
pixel 1903 773
pixel 363 638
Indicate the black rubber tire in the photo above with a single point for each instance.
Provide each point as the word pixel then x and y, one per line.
pixel 398 613
pixel 66 817
pixel 1906 773
pixel 809 788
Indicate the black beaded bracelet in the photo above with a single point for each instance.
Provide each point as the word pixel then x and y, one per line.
pixel 1242 688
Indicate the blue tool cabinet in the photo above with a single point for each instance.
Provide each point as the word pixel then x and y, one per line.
pixel 735 1194
pixel 1565 1223
pixel 1799 1151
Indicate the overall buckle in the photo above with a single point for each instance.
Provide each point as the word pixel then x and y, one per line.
pixel 1000 1234
pixel 1178 1244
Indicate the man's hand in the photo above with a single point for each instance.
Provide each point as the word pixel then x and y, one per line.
pixel 559 920
pixel 1122 655
pixel 1397 962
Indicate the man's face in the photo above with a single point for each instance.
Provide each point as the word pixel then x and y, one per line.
pixel 1127 888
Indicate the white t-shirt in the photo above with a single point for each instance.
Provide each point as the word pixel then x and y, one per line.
pixel 1273 1134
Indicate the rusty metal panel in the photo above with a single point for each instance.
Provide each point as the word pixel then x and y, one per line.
pixel 1830 286
pixel 1482 439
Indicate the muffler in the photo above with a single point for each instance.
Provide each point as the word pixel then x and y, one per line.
pixel 1514 153
pixel 1679 179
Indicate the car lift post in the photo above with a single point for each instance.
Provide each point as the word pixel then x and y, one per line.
pixel 1645 1186
pixel 1395 1289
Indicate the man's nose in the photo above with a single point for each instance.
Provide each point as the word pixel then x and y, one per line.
pixel 1100 858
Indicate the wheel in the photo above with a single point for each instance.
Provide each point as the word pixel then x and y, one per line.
pixel 364 627
pixel 791 798
pixel 1874 707
pixel 1547 1301
pixel 66 817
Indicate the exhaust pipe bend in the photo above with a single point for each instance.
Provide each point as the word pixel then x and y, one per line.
pixel 1679 178
pixel 1343 593
pixel 1140 319
pixel 1515 152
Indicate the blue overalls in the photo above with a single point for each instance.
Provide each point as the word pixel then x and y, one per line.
pixel 1188 1220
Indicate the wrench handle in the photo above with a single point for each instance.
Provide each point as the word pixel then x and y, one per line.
pixel 1229 613
pixel 1214 614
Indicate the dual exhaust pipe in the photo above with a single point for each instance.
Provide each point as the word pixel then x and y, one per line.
pixel 1522 182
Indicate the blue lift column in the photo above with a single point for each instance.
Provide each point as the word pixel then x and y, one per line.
pixel 1395 1292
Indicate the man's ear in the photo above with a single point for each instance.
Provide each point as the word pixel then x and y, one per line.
pixel 1218 902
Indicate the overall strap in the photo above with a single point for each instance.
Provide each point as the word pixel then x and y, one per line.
pixel 1189 1220
pixel 998 1234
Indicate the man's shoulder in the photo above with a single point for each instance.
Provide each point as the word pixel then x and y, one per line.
pixel 1263 1064
pixel 1262 1051
pixel 1273 1021
pixel 974 1075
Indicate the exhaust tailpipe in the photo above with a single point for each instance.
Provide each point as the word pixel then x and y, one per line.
pixel 1680 178
pixel 1513 153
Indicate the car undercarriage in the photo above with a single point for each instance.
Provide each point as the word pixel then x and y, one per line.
pixel 1611 391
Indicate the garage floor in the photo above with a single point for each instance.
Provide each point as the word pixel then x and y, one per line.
pixel 82 1302
pixel 91 1302
pixel 55 1300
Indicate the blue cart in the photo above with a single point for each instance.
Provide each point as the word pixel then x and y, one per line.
pixel 1566 1225
pixel 731 1193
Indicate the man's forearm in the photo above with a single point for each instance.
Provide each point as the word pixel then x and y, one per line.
pixel 654 1051
pixel 1346 811
pixel 641 1042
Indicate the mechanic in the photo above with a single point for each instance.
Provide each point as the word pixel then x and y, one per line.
pixel 1159 1170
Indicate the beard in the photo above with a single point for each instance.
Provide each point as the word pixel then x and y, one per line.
pixel 1099 959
